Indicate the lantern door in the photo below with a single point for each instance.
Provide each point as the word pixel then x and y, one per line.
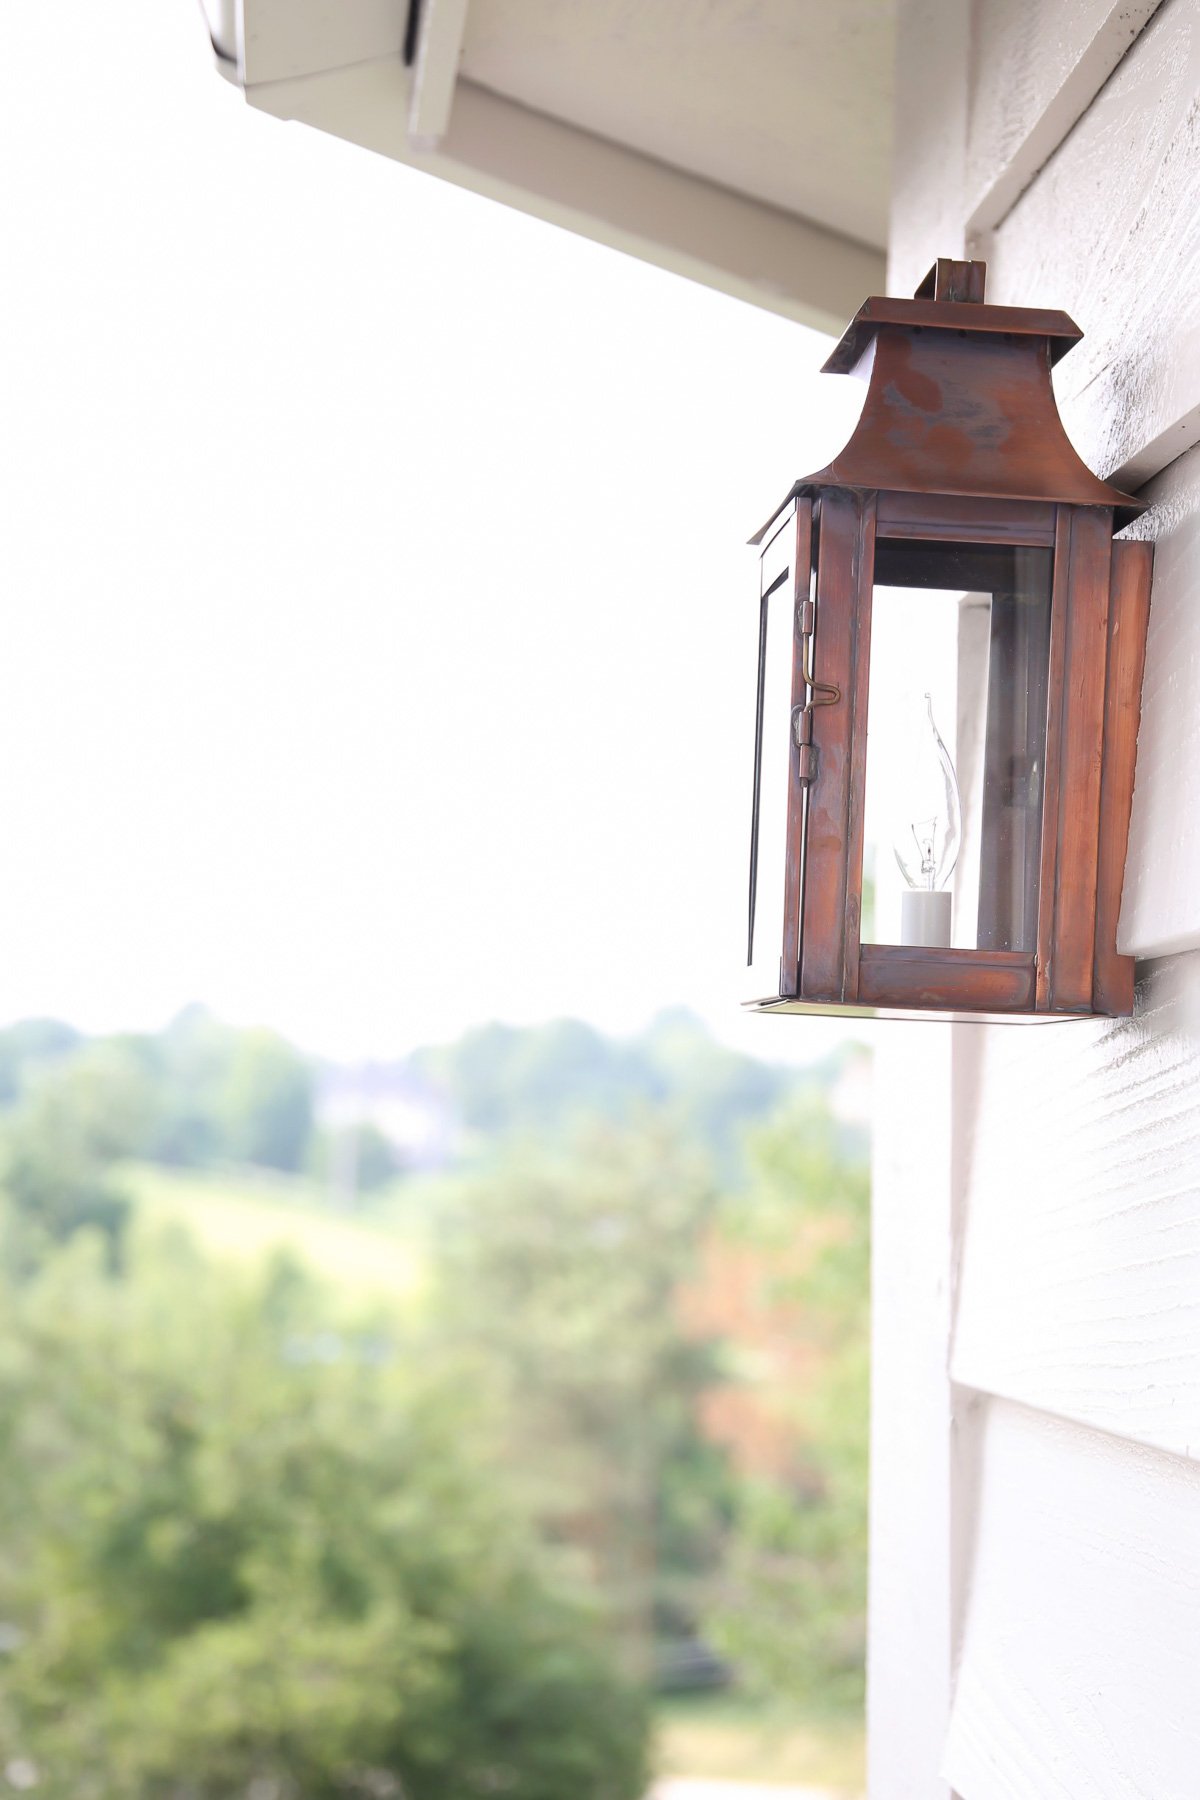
pixel 956 747
pixel 942 626
pixel 779 795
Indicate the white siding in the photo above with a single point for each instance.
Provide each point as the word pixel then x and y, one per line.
pixel 1034 70
pixel 1078 1677
pixel 1058 1430
pixel 928 214
pixel 1110 231
pixel 1080 1284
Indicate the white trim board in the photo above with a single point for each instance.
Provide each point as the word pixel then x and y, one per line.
pixel 1160 910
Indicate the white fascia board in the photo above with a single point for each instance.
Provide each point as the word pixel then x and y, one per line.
pixel 279 40
pixel 443 27
pixel 771 259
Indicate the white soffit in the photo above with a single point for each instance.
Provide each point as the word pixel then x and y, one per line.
pixel 744 143
pixel 789 101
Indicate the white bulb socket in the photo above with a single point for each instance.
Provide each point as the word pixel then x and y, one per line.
pixel 925 917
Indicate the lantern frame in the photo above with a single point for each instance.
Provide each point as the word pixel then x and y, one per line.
pixel 959 443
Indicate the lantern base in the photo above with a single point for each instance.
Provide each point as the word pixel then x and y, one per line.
pixel 906 981
pixel 816 1009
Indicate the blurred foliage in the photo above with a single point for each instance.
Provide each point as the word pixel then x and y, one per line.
pixel 79 1117
pixel 562 1266
pixel 261 1539
pixel 191 1062
pixel 792 1613
pixel 197 1092
pixel 354 1159
pixel 252 1547
pixel 30 1044
pixel 265 1103
pixel 504 1080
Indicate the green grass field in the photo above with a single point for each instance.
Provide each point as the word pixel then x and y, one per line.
pixel 247 1218
pixel 710 1737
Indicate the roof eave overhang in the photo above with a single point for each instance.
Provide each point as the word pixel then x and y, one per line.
pixel 568 176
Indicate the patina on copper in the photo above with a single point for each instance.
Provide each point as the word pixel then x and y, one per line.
pixel 960 401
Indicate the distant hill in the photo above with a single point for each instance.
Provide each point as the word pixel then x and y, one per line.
pixel 501 1079
pixel 202 1094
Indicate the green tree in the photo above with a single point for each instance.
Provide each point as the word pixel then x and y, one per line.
pixel 77 1119
pixel 549 1079
pixel 192 1061
pixel 266 1102
pixel 562 1265
pixel 354 1161
pixel 250 1545
pixel 792 1607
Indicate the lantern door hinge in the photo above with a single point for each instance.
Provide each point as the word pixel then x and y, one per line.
pixel 806 750
pixel 817 693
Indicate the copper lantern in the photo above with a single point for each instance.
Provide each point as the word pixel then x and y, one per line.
pixel 957 673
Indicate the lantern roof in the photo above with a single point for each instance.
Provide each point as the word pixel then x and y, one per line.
pixel 960 401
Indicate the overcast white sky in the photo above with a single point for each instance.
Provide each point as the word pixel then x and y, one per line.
pixel 378 627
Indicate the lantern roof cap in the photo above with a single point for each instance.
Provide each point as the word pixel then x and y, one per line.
pixel 959 401
pixel 950 299
pixel 1060 331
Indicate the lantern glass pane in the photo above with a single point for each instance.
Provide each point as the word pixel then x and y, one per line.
pixel 769 873
pixel 956 736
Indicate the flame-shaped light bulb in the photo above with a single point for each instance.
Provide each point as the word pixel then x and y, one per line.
pixel 927 837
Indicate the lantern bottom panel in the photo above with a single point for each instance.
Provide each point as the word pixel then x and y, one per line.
pixel 920 981
pixel 942 1015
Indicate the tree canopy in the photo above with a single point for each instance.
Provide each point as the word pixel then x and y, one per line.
pixel 260 1537
pixel 253 1545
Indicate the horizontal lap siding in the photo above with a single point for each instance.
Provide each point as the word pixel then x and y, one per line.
pixel 1034 70
pixel 1079 1673
pixel 1079 1287
pixel 1080 1147
pixel 1069 1569
pixel 1080 1273
pixel 1110 231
